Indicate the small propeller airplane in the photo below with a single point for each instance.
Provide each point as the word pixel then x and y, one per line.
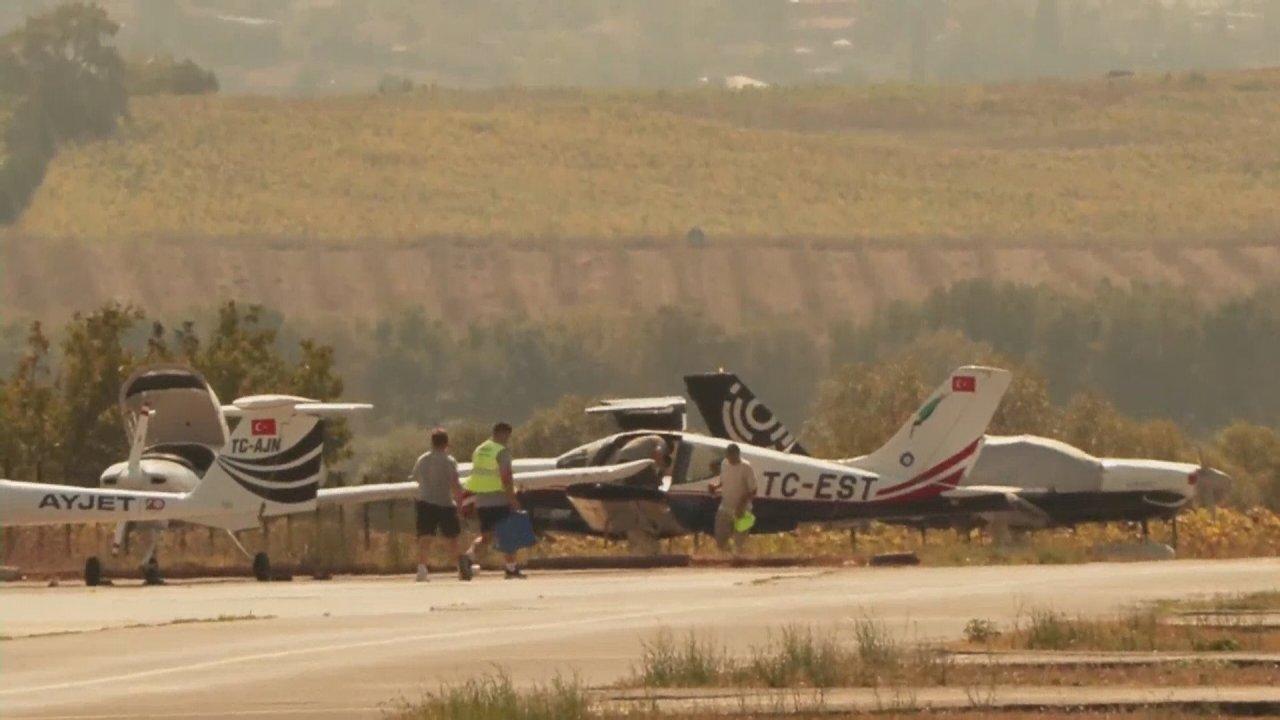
pixel 1049 483
pixel 185 465
pixel 269 464
pixel 918 472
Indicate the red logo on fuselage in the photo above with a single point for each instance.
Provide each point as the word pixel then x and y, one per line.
pixel 154 504
pixel 264 426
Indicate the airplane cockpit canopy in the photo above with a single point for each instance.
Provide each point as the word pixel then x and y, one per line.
pixel 687 458
pixel 185 409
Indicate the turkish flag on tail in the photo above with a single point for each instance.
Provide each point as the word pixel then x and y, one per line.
pixel 263 426
pixel 964 383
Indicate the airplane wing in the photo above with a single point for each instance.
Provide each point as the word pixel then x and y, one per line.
pixel 532 480
pixel 1001 499
pixel 302 405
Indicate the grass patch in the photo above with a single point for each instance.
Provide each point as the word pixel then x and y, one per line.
pixel 1148 629
pixel 495 697
pixel 1080 162
pixel 1255 602
pixel 218 619
pixel 1224 533
pixel 794 657
pixel 686 662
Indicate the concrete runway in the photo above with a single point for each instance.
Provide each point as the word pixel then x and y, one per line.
pixel 344 647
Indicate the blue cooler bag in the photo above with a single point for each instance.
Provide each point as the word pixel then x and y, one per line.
pixel 515 532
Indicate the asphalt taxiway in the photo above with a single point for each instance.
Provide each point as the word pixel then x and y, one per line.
pixel 345 647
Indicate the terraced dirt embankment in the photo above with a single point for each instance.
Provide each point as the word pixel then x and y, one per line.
pixel 730 282
pixel 819 203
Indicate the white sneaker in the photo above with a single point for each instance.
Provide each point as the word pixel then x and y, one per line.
pixel 422 573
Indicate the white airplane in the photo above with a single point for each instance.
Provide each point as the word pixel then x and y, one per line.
pixel 179 439
pixel 1050 482
pixel 270 465
pixel 916 473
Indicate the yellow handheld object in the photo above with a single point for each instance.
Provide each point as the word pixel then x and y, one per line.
pixel 744 522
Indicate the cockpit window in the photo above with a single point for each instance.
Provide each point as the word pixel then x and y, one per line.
pixel 575 458
pixel 699 462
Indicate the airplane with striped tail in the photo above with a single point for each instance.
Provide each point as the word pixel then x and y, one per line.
pixel 186 465
pixel 916 473
pixel 1049 483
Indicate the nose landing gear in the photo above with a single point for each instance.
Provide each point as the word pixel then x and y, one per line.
pixel 92 572
pixel 261 567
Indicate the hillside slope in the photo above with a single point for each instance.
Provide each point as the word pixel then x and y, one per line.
pixel 1134 161
pixel 733 283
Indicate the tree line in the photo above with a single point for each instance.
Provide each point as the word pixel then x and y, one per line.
pixel 1141 372
pixel 1154 351
pixel 59 420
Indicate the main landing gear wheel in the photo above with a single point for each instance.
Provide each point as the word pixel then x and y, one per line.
pixel 261 567
pixel 151 573
pixel 92 572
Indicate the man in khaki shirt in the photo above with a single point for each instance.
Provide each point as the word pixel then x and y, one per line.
pixel 737 487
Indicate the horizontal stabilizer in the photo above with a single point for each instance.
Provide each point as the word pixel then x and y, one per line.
pixel 651 413
pixel 297 404
pixel 650 404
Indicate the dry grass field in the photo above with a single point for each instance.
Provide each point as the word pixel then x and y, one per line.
pixel 821 202
pixel 1141 160
pixel 342 545
pixel 817 203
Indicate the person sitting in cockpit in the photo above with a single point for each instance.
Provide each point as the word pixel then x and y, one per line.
pixel 645 447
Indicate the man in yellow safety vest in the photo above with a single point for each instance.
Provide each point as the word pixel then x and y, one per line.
pixel 493 486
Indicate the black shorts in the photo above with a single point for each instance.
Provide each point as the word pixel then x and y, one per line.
pixel 435 519
pixel 491 516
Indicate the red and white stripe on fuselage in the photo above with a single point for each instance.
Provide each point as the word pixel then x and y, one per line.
pixel 789 477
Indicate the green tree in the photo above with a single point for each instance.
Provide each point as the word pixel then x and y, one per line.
pixel 71 69
pixel 33 414
pixel 316 377
pixel 95 362
pixel 560 427
pixel 163 75
pixel 239 356
pixel 1252 453
pixel 859 407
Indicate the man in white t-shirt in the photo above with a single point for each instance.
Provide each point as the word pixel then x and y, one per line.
pixel 737 487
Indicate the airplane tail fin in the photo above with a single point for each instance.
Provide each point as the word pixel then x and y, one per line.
pixel 272 463
pixel 733 412
pixel 940 442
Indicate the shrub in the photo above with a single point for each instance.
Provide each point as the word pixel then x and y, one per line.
pixel 163 75
pixel 494 697
pixel 981 631
pixel 665 662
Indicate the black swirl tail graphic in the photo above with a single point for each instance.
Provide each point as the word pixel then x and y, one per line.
pixel 733 412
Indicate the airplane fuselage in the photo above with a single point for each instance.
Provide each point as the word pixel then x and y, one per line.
pixel 791 489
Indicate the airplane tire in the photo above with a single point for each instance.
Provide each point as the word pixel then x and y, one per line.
pixel 151 574
pixel 92 572
pixel 261 567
